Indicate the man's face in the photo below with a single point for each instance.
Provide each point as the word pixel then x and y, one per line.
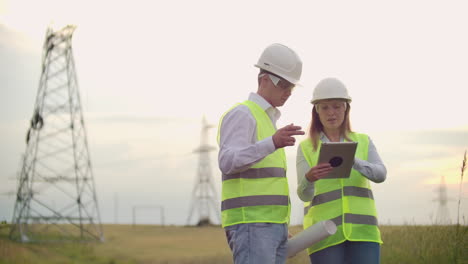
pixel 278 91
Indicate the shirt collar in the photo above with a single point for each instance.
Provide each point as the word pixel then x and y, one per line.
pixel 267 107
pixel 324 137
pixel 258 99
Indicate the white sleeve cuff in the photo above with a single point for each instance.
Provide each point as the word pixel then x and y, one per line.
pixel 266 146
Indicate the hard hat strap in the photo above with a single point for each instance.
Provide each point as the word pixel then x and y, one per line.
pixel 274 79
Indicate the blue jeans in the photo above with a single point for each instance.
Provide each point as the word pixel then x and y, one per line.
pixel 258 243
pixel 348 252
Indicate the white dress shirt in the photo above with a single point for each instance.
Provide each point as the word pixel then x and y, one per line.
pixel 238 145
pixel 372 168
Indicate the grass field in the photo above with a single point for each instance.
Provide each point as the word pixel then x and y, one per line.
pixel 190 245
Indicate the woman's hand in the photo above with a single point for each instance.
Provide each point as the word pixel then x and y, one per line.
pixel 318 172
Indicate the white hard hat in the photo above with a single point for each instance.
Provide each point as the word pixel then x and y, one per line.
pixel 330 88
pixel 282 61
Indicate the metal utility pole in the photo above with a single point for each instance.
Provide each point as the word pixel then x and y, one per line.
pixel 56 197
pixel 204 196
pixel 442 216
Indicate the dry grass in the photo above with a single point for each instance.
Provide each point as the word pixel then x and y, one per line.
pixel 207 245
pixel 132 245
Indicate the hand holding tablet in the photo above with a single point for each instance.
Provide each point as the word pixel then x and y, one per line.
pixel 340 155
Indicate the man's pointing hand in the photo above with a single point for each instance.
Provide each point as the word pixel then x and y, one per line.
pixel 284 136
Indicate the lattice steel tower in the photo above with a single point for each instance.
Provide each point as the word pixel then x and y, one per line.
pixel 442 215
pixel 204 196
pixel 56 196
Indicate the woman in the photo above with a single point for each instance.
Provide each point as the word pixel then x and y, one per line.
pixel 348 202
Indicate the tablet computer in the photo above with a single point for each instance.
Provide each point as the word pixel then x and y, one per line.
pixel 340 155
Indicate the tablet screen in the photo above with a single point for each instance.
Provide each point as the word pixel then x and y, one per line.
pixel 340 155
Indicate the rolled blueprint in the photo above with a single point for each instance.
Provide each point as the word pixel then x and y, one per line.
pixel 310 236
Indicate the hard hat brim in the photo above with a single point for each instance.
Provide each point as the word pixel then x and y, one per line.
pixel 293 81
pixel 314 101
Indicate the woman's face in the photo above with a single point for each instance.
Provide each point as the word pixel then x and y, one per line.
pixel 331 113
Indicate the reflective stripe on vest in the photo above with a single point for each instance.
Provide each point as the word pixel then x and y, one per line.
pixel 355 219
pixel 348 202
pixel 336 194
pixel 256 173
pixel 261 193
pixel 254 201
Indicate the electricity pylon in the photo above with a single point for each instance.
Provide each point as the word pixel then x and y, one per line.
pixel 442 215
pixel 204 196
pixel 56 198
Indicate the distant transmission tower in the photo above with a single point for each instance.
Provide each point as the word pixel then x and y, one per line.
pixel 442 215
pixel 56 198
pixel 204 197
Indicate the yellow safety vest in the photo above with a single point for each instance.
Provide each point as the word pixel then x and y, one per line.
pixel 348 202
pixel 261 193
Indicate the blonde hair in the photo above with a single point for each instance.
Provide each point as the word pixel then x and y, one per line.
pixel 316 126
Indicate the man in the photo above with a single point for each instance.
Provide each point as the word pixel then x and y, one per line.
pixel 255 205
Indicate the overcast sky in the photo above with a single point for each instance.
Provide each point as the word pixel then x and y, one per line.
pixel 149 71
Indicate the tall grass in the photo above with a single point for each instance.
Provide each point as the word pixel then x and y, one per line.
pixel 424 244
pixel 460 233
pixel 463 167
